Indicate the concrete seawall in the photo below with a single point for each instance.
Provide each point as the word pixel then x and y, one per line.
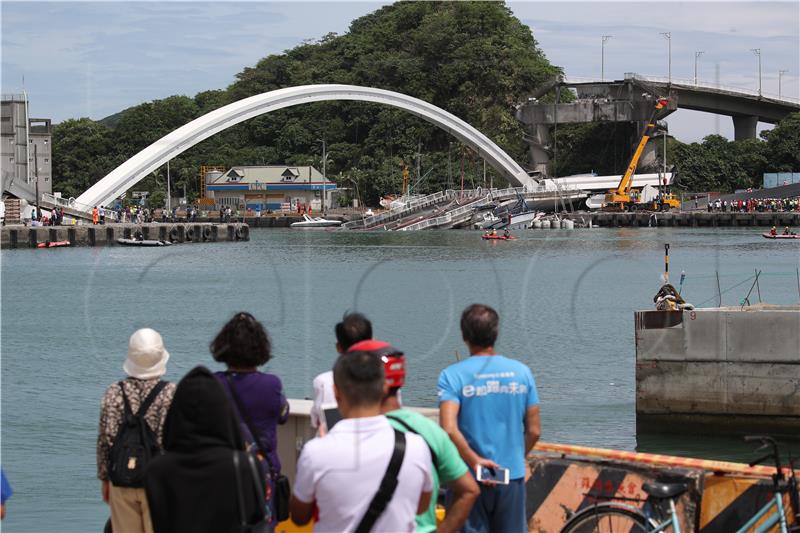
pixel 690 219
pixel 726 365
pixel 107 234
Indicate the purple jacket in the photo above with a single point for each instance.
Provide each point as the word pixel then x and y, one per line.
pixel 263 399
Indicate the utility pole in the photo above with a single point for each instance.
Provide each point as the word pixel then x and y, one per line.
pixel 696 57
pixel 780 81
pixel 757 52
pixel 449 165
pixel 324 170
pixel 603 41
pixel 36 177
pixel 419 162
pixel 169 200
pixel 668 36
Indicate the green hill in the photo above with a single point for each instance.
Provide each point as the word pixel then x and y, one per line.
pixel 474 59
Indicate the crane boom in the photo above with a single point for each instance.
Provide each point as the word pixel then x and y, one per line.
pixel 621 195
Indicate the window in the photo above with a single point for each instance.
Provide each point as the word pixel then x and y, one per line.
pixel 46 160
pixel 45 141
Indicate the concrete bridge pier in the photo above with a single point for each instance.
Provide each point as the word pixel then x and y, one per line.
pixel 744 127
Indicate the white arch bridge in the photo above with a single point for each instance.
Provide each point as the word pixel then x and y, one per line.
pixel 137 167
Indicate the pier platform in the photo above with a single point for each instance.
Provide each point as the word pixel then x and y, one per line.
pixel 19 236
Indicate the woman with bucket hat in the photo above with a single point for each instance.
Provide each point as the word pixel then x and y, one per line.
pixel 142 397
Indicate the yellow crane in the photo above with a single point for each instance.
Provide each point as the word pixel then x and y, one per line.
pixel 620 198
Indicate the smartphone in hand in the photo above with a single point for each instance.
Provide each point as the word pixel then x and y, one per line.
pixel 487 473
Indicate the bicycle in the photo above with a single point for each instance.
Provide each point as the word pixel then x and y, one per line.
pixel 614 516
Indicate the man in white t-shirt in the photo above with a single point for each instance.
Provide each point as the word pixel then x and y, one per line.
pixel 353 328
pixel 341 472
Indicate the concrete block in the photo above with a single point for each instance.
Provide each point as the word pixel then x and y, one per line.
pixel 763 336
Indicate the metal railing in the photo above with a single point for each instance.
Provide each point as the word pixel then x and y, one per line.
pixel 389 216
pixel 65 203
pixel 448 217
pixel 690 83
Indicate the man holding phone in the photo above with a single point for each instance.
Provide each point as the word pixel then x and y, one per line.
pixel 489 407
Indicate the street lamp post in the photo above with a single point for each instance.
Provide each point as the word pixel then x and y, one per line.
pixel 668 36
pixel 757 52
pixel 696 57
pixel 780 81
pixel 324 170
pixel 604 40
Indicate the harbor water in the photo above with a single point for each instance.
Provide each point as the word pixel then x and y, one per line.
pixel 566 300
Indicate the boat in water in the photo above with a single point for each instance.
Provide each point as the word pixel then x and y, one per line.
pixel 498 237
pixel 316 222
pixel 780 236
pixel 143 242
pixel 53 244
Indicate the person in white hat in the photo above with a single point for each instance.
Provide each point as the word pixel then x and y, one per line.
pixel 145 364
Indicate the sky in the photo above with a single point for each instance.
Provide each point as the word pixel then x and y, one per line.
pixel 93 59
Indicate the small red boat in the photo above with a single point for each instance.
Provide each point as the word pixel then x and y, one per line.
pixel 53 244
pixel 780 236
pixel 498 237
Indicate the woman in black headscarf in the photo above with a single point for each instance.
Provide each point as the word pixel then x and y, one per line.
pixel 192 488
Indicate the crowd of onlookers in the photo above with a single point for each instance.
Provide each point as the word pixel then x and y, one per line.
pixel 753 205
pixel 200 456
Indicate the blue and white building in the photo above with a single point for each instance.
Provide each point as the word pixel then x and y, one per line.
pixel 275 187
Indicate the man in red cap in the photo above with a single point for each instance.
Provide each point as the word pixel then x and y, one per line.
pixel 363 475
pixel 448 467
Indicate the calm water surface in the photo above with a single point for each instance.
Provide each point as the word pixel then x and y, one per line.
pixel 566 300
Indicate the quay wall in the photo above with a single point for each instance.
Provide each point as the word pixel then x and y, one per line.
pixel 107 234
pixel 689 219
pixel 726 366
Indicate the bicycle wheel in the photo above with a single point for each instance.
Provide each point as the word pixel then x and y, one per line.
pixel 606 518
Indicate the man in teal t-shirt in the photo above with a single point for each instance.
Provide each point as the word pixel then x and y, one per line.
pixel 448 467
pixel 489 407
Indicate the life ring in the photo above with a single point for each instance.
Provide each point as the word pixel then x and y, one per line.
pixel 173 234
pixel 190 233
pixel 242 232
pixel 207 233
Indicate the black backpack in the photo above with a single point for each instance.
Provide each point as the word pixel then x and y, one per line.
pixel 135 443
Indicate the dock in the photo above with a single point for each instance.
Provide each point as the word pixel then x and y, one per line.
pixel 727 367
pixel 689 219
pixel 19 236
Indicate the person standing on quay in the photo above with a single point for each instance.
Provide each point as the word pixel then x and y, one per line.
pixel 94 215
pixel 342 474
pixel 102 213
pixel 145 364
pixel 489 406
pixel 448 467
pixel 243 345
pixel 353 328
pixel 191 488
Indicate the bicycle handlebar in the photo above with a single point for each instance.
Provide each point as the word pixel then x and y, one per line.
pixel 767 442
pixel 760 459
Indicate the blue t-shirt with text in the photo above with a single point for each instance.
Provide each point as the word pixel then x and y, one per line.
pixel 494 393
